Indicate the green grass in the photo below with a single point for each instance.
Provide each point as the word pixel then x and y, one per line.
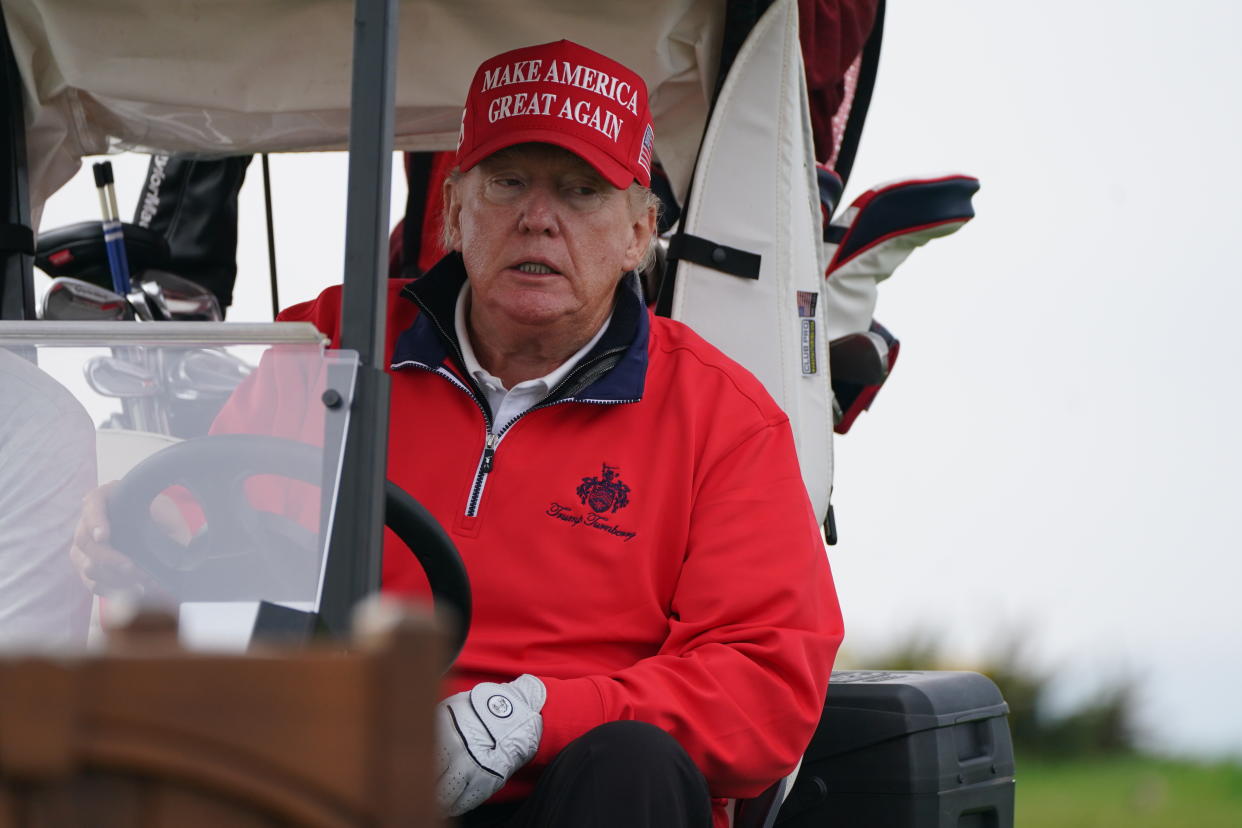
pixel 1127 792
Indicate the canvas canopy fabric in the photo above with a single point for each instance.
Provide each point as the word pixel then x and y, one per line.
pixel 230 77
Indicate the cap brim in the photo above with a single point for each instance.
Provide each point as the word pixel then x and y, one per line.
pixel 615 173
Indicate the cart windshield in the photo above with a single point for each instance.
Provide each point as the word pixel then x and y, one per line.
pixel 218 448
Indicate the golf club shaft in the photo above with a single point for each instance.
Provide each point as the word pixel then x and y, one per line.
pixel 114 236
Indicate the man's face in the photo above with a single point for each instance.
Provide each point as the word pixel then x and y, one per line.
pixel 544 237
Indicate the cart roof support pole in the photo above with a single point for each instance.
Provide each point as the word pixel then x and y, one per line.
pixel 16 234
pixel 354 553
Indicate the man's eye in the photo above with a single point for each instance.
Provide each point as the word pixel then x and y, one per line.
pixel 583 190
pixel 504 188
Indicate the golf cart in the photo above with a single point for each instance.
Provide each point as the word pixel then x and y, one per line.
pixel 757 238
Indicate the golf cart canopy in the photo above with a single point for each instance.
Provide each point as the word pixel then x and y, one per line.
pixel 229 78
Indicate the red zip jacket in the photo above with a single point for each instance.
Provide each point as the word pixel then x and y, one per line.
pixel 641 540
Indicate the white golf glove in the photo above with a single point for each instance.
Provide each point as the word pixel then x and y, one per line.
pixel 485 734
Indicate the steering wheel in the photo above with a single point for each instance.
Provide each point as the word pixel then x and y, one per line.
pixel 244 553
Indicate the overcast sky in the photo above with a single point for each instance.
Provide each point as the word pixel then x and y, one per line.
pixel 1056 453
pixel 1055 456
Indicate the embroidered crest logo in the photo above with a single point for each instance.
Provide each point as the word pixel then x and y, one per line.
pixel 605 493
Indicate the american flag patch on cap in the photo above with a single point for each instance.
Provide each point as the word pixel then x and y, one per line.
pixel 644 152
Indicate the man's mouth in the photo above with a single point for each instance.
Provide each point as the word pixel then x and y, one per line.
pixel 534 268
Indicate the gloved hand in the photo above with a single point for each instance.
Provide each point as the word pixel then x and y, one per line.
pixel 485 734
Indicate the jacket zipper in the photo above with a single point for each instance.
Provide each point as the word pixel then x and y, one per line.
pixel 491 438
pixel 489 446
pixel 489 452
pixel 487 462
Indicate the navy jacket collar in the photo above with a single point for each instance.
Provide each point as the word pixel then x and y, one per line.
pixel 613 371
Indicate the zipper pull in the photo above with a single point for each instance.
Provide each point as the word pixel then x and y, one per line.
pixel 489 452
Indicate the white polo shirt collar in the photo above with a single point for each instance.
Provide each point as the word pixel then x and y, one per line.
pixel 508 403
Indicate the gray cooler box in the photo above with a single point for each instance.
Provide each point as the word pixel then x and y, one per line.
pixel 906 750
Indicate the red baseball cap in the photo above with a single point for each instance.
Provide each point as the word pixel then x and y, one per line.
pixel 564 94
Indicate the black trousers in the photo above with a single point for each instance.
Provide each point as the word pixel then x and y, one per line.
pixel 629 774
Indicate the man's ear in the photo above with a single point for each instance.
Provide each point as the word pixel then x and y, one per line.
pixel 452 213
pixel 643 228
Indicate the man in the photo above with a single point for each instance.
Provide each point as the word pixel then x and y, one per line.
pixel 47 464
pixel 654 621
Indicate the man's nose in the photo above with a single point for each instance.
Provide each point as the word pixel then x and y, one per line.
pixel 539 212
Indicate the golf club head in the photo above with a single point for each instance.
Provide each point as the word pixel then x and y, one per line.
pixel 185 300
pixel 860 358
pixel 73 300
pixel 155 301
pixel 142 309
pixel 111 376
pixel 206 373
